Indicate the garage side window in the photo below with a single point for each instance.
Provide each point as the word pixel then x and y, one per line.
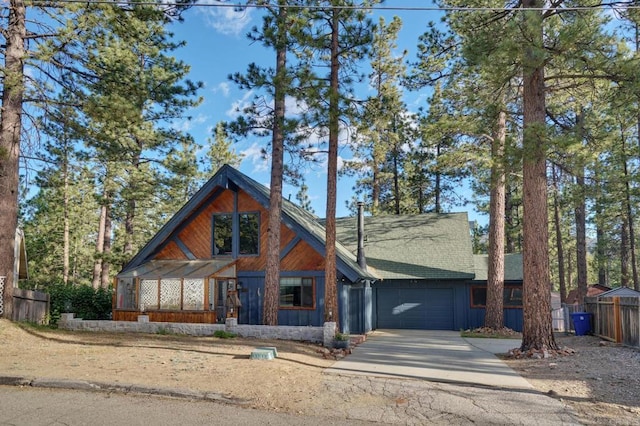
pixel 511 297
pixel 297 293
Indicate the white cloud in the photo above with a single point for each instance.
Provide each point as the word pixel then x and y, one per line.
pixel 226 18
pixel 222 88
pixel 240 104
pixel 255 155
pixel 187 125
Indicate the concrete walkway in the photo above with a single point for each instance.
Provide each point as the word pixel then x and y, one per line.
pixel 440 356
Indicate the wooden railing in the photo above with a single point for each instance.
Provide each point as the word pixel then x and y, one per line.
pixel 616 318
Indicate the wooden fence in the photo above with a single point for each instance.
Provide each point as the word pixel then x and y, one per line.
pixel 30 306
pixel 616 318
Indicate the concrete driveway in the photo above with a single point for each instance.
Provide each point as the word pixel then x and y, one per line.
pixel 441 356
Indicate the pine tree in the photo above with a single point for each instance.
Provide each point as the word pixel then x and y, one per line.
pixel 280 30
pixel 338 41
pixel 220 150
pixel 380 137
pixel 303 197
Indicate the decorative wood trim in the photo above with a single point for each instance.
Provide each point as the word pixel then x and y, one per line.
pixel 184 248
pixel 287 249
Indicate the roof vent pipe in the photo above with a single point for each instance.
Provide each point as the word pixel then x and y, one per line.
pixel 362 261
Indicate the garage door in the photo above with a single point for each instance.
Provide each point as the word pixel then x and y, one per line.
pixel 415 308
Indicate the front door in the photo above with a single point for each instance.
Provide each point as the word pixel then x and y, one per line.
pixel 223 297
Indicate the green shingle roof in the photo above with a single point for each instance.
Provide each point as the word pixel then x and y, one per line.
pixel 425 246
pixel 512 267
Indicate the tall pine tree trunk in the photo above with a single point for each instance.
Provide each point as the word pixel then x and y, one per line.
pixel 494 317
pixel 557 220
pixel 106 250
pixel 580 213
pixel 396 182
pixel 65 218
pixel 272 275
pixel 331 284
pixel 509 220
pixel 581 237
pixel 624 253
pixel 97 263
pixel 629 218
pixel 537 332
pixel 437 189
pixel 10 132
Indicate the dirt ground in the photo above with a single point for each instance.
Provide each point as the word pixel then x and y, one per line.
pixel 601 382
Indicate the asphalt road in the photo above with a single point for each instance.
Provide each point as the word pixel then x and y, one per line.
pixel 52 407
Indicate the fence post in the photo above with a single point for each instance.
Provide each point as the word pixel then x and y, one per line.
pixel 617 320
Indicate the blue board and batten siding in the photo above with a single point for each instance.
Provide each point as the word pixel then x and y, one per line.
pixel 513 317
pixel 420 305
pixel 444 305
pixel 252 298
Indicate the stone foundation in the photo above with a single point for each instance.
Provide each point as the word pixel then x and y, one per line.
pixel 299 333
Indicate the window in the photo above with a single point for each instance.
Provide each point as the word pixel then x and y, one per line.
pixel 126 294
pixel 297 293
pixel 512 297
pixel 225 235
pixel 249 233
pixel 222 234
pixel 175 294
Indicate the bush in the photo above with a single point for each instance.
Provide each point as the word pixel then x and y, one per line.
pixel 84 301
pixel 221 334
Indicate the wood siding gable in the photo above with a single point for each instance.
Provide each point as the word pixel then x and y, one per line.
pixel 188 234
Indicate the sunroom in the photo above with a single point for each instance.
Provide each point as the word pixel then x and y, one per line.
pixel 194 291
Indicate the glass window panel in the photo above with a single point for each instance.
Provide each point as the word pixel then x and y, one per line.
pixel 512 296
pixel 222 234
pixel 296 292
pixel 170 290
pixel 148 294
pixel 126 294
pixel 193 295
pixel 249 233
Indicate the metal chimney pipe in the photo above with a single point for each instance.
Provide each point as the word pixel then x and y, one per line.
pixel 362 261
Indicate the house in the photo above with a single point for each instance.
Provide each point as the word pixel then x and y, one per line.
pixel 619 292
pixel 512 300
pixel 207 263
pixel 592 291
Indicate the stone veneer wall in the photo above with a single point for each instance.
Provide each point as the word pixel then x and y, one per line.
pixel 304 333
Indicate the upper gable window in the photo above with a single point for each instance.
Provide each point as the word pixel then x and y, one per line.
pixel 222 234
pixel 249 233
pixel 230 229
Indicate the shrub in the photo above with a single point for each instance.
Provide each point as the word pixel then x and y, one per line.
pixel 224 334
pixel 84 301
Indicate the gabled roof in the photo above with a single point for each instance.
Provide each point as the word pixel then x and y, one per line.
pixel 301 221
pixel 512 267
pixel 621 292
pixel 592 291
pixel 424 246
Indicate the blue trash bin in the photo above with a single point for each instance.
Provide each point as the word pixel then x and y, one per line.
pixel 581 323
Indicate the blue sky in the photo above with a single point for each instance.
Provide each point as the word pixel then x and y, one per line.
pixel 217 46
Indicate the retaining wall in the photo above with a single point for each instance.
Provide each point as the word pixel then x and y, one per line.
pixel 323 334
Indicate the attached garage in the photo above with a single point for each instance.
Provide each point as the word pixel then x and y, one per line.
pixel 416 308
